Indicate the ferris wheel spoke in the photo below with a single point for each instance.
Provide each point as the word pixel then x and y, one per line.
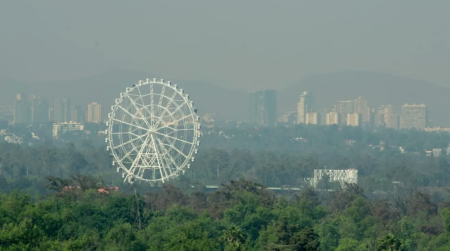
pixel 152 108
pixel 176 149
pixel 174 138
pixel 126 132
pixel 133 117
pixel 161 95
pixel 173 113
pixel 163 114
pixel 129 141
pixel 145 107
pixel 129 124
pixel 136 119
pixel 136 106
pixel 173 122
pixel 127 155
pixel 176 110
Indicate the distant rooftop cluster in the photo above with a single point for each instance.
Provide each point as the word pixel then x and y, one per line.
pixel 32 109
pixel 357 112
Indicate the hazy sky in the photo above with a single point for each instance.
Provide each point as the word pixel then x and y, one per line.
pixel 242 44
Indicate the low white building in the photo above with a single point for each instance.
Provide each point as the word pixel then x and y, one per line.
pixel 61 128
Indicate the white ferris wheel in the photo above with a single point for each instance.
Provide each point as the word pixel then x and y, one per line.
pixel 153 131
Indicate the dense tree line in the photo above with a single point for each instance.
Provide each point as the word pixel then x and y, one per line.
pixel 241 215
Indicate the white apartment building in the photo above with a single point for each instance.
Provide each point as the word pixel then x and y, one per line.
pixel 333 118
pixel 61 128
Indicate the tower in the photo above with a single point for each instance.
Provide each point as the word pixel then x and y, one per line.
pixel 343 108
pixel 22 109
pixel 306 105
pixel 39 110
pixel 94 113
pixel 263 107
pixel 362 107
pixel 61 110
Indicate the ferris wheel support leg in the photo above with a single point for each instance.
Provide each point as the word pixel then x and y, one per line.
pixel 138 157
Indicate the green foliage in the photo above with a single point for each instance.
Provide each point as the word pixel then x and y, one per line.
pixel 410 214
pixel 389 243
pixel 252 218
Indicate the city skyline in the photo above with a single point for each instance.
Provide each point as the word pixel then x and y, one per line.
pixel 33 109
pixel 358 113
pixel 30 108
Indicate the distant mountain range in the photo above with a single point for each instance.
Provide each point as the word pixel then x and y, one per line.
pixel 227 104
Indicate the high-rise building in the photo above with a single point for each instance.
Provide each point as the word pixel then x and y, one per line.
pixel 22 109
pixel 305 106
pixel 263 107
pixel 39 110
pixel 393 121
pixel 94 113
pixel 61 110
pixel 333 118
pixel 391 117
pixel 312 118
pixel 78 114
pixel 343 108
pixel 414 116
pixel 354 119
pixel 378 117
pixel 362 107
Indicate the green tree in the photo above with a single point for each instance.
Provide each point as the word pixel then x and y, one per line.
pixel 389 243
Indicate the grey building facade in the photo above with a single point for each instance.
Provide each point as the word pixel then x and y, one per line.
pixel 263 108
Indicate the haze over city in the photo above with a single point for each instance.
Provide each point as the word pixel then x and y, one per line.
pixel 224 125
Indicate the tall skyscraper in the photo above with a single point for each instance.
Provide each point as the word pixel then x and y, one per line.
pixel 305 106
pixel 362 107
pixel 61 110
pixel 94 113
pixel 343 108
pixel 78 114
pixel 263 107
pixel 391 117
pixel 22 109
pixel 39 110
pixel 414 116
pixel 378 117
